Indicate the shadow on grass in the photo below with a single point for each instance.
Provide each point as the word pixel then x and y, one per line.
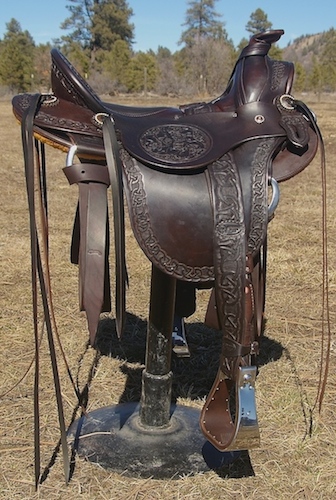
pixel 193 377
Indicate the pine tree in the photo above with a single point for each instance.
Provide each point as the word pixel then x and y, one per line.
pixel 142 72
pixel 116 65
pixel 328 61
pixel 315 79
pixel 206 54
pixel 98 24
pixel 202 22
pixel 300 77
pixel 258 22
pixel 17 58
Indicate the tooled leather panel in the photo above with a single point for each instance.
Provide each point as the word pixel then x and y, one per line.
pixel 230 270
pixel 259 187
pixel 176 143
pixel 63 86
pixel 59 115
pixel 281 72
pixel 146 234
pixel 229 245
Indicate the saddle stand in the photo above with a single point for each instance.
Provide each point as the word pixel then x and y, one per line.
pixel 196 180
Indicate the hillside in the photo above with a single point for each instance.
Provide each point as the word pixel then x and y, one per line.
pixel 305 48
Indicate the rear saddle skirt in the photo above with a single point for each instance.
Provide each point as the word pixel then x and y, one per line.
pixel 196 180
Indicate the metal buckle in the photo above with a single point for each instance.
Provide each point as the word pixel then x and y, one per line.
pixel 100 117
pixel 70 156
pixel 48 99
pixel 287 101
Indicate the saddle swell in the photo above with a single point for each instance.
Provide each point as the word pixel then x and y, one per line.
pixel 196 181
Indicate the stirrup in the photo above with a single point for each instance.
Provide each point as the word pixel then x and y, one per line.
pixel 247 430
pixel 180 345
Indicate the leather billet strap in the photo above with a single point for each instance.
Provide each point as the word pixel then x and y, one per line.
pixel 92 260
pixel 114 166
pixel 92 233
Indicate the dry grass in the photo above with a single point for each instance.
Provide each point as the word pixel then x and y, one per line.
pixel 289 462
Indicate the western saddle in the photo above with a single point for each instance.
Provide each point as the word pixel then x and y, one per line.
pixel 196 180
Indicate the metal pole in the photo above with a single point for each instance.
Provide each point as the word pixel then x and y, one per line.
pixel 157 376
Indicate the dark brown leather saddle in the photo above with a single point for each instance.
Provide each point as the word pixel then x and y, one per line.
pixel 196 180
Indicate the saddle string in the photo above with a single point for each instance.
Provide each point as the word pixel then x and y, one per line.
pixel 28 147
pixel 38 274
pixel 43 210
pixel 34 158
pixel 325 349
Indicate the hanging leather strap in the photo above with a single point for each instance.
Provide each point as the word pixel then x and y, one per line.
pixel 90 235
pixel 30 148
pixel 115 173
pixel 326 328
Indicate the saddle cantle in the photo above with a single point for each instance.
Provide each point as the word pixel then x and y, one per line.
pixel 196 181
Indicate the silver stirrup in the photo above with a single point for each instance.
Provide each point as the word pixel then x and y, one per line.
pixel 247 430
pixel 180 344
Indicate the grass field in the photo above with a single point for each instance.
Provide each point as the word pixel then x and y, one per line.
pixel 290 462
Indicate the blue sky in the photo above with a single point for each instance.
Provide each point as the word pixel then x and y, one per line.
pixel 159 22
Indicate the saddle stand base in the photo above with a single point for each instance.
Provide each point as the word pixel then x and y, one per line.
pixel 114 438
